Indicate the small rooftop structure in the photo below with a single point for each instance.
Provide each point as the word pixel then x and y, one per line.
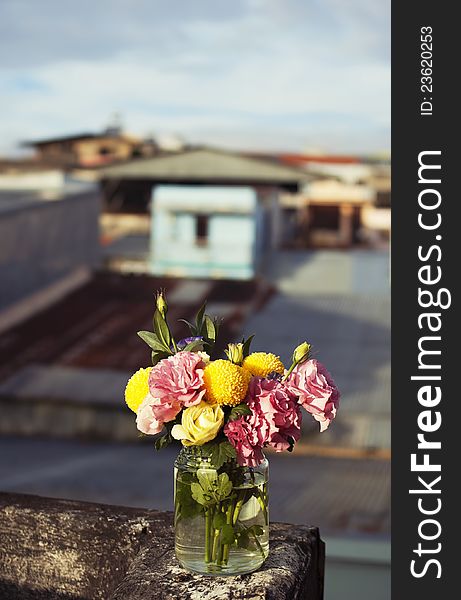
pixel 207 166
pixel 211 231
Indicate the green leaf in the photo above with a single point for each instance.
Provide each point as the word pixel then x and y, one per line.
pixel 199 317
pixel 219 520
pixel 246 346
pixel 213 488
pixel 224 487
pixel 193 346
pixel 222 453
pixel 198 494
pixel 161 329
pixel 192 327
pixel 256 530
pixel 217 324
pixel 241 410
pixel 210 329
pixel 243 540
pixel 185 505
pixel 227 534
pixel 207 478
pixel 164 439
pixel 153 341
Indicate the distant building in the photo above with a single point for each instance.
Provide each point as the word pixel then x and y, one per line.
pixel 210 232
pixel 214 213
pixel 347 201
pixel 91 149
pixel 330 212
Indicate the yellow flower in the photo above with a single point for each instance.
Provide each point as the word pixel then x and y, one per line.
pixel 225 383
pixel 199 424
pixel 260 364
pixel 234 353
pixel 137 388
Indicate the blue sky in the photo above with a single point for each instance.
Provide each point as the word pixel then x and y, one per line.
pixel 258 74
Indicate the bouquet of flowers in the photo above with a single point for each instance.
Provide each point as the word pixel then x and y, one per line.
pixel 224 411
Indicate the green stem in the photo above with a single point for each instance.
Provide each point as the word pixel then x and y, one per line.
pixel 214 551
pixel 260 548
pixel 216 535
pixel 208 523
pixel 263 508
pixel 238 508
pixel 229 518
pixel 290 370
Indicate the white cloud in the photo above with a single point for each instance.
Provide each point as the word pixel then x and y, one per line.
pixel 269 73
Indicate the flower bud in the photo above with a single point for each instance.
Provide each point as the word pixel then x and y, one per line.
pixel 234 353
pixel 162 306
pixel 301 353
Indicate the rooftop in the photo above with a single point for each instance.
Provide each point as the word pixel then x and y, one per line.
pixel 110 132
pixel 199 165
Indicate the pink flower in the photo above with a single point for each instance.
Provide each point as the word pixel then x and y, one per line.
pixel 146 421
pixel 247 440
pixel 178 378
pixel 272 401
pixel 317 393
pixel 153 413
pixel 275 420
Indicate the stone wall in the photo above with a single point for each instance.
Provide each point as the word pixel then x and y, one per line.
pixel 59 549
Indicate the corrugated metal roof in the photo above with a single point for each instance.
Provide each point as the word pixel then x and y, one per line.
pixel 205 165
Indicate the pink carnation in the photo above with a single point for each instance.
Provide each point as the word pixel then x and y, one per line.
pixel 272 401
pixel 145 418
pixel 247 439
pixel 153 413
pixel 275 420
pixel 178 378
pixel 317 393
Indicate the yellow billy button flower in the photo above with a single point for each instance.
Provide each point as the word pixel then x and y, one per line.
pixel 199 424
pixel 137 388
pixel 225 383
pixel 261 364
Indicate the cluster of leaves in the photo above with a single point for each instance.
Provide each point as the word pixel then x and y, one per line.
pixel 205 330
pixel 163 344
pixel 164 438
pixel 185 505
pixel 219 451
pixel 207 490
pixel 244 535
pixel 160 340
pixel 211 487
pixel 205 327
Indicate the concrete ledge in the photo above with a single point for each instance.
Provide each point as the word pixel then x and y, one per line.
pixel 59 549
pixel 67 402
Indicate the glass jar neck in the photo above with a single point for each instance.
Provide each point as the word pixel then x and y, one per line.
pixel 195 457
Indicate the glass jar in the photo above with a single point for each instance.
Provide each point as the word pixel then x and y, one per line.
pixel 221 515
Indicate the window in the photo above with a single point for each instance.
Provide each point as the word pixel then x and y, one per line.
pixel 324 217
pixel 201 230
